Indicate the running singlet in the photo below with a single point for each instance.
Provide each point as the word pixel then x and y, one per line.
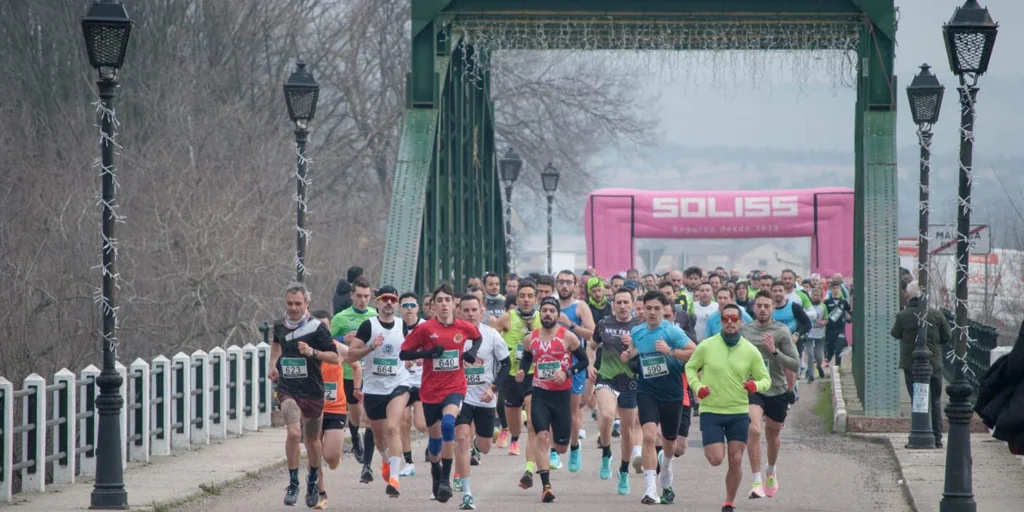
pixel 443 375
pixel 548 358
pixel 383 371
pixel 572 313
pixel 334 387
pixel 346 321
pixel 784 314
pixel 416 369
pixel 517 332
pixel 660 374
pixel 480 374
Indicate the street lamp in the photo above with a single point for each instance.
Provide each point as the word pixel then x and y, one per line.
pixel 107 29
pixel 549 179
pixel 508 168
pixel 925 96
pixel 970 36
pixel 300 93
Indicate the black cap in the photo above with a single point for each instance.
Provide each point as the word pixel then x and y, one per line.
pixel 551 300
pixel 387 290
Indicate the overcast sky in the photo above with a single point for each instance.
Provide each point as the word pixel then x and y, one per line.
pixel 780 112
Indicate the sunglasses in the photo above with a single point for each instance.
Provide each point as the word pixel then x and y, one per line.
pixel 389 299
pixel 730 319
pixel 409 305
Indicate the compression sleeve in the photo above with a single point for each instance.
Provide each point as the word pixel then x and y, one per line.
pixel 582 361
pixel 802 320
pixel 470 355
pixel 409 355
pixel 597 358
pixel 503 368
pixel 526 361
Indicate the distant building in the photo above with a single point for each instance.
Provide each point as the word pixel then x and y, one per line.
pixel 772 258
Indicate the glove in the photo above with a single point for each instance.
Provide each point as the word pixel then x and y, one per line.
pixel 437 351
pixel 703 392
pixel 469 356
pixel 751 386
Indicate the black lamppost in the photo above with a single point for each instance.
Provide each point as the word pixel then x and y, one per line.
pixel 300 93
pixel 970 36
pixel 925 95
pixel 549 179
pixel 107 29
pixel 509 167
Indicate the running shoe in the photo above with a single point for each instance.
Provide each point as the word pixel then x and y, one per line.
pixel 821 372
pixel 291 494
pixel 593 414
pixel 756 491
pixel 366 476
pixel 408 470
pixel 638 464
pixel 526 481
pixel 547 496
pixel 467 503
pixel 617 429
pixel 474 458
pixel 575 460
pixel 385 471
pixel 582 434
pixel 497 431
pixel 503 437
pixel 357 452
pixel 523 415
pixel 650 499
pixel 444 491
pixel 554 461
pixel 728 508
pixel 661 458
pixel 772 486
pixel 457 483
pixel 312 493
pixel 668 496
pixel 513 448
pixel 392 489
pixel 623 483
pixel 606 468
pixel 322 504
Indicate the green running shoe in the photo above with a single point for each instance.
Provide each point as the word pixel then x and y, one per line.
pixel 623 483
pixel 606 468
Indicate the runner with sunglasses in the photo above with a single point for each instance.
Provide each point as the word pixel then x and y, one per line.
pixel 413 414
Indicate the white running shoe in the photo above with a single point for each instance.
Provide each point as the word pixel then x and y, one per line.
pixel 408 470
pixel 583 434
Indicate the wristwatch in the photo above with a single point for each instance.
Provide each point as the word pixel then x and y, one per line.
pixel 315 352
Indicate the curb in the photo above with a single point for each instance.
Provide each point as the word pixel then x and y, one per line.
pixel 204 489
pixel 838 403
pixel 884 440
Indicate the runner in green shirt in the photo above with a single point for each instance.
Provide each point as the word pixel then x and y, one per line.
pixel 343 328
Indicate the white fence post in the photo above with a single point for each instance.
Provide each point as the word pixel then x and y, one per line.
pixel 161 417
pixel 122 416
pixel 90 426
pixel 6 439
pixel 64 439
pixel 216 376
pixel 138 450
pixel 266 386
pixel 34 478
pixel 252 391
pixel 236 390
pixel 181 384
pixel 201 400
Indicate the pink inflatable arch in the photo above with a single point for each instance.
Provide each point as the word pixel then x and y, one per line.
pixel 615 218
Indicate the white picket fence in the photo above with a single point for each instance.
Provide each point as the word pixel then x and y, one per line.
pixel 169 404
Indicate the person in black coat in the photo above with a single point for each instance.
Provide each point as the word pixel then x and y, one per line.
pixel 1001 397
pixel 343 291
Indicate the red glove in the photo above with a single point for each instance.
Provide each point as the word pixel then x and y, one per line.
pixel 703 392
pixel 751 386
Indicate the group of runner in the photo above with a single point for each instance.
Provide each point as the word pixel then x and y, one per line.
pixel 631 354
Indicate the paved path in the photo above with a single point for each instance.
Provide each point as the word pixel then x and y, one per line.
pixel 817 472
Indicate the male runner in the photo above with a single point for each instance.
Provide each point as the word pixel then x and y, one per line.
pixel 793 292
pixel 343 327
pixel 385 391
pixel 550 354
pixel 514 326
pixel 725 369
pixel 441 341
pixel 483 379
pixel 335 410
pixel 839 311
pixel 575 316
pixel 413 414
pixel 494 301
pixel 724 297
pixel 657 353
pixel 702 309
pixel 792 314
pixel 616 386
pixel 780 356
pixel 301 343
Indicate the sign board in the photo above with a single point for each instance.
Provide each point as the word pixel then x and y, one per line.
pixel 942 239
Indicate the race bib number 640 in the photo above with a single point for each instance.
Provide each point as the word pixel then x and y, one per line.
pixel 448 362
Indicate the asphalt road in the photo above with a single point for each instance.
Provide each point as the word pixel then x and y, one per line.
pixel 816 471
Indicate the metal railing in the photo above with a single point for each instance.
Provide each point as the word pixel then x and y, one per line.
pixel 169 404
pixel 978 357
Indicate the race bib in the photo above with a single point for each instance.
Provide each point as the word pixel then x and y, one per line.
pixel 330 391
pixel 294 368
pixel 654 366
pixel 385 366
pixel 448 362
pixel 835 314
pixel 474 375
pixel 548 370
pixel 519 352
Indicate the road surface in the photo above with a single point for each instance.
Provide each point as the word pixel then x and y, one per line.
pixel 817 472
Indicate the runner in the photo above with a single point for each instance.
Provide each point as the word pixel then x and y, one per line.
pixel 732 369
pixel 412 416
pixel 839 311
pixel 441 340
pixel 385 391
pixel 793 315
pixel 657 353
pixel 494 301
pixel 576 317
pixel 483 378
pixel 335 410
pixel 815 344
pixel 724 297
pixel 552 347
pixel 301 343
pixel 343 328
pixel 773 341
pixel 703 307
pixel 514 326
pixel 616 387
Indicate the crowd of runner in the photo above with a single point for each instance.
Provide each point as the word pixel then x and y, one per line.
pixel 474 368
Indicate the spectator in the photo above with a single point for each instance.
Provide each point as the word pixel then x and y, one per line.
pixel 343 291
pixel 1001 397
